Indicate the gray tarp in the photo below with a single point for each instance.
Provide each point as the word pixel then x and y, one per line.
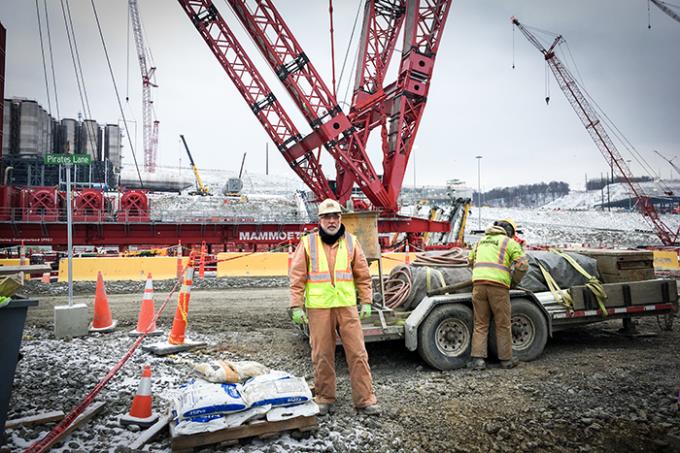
pixel 564 273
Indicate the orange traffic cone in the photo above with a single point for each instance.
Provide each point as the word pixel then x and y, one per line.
pixel 145 321
pixel 179 260
pixel 102 321
pixel 141 411
pixel 179 323
pixel 407 250
pixel 201 263
pixel 46 278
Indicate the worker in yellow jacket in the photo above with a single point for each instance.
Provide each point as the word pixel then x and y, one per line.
pixel 327 271
pixel 498 262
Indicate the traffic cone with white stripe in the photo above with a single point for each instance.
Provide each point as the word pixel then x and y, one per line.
pixel 145 321
pixel 179 323
pixel 177 341
pixel 141 412
pixel 102 321
pixel 407 251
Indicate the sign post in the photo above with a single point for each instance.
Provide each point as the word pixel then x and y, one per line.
pixel 68 160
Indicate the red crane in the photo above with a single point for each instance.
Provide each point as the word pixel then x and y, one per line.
pixel 595 128
pixel 150 125
pixel 666 8
pixel 397 108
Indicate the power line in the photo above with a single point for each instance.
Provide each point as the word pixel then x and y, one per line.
pixel 115 87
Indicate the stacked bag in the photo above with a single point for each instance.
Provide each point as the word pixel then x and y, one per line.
pixel 201 406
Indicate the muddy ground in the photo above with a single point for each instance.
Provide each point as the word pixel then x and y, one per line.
pixel 592 390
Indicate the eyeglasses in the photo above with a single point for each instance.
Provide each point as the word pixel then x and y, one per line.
pixel 329 216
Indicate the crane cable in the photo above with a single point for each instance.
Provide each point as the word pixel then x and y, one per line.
pixel 330 14
pixel 49 42
pixel 42 51
pixel 77 68
pixel 115 88
pixel 349 45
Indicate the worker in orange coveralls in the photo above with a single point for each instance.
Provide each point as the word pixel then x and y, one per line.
pixel 327 272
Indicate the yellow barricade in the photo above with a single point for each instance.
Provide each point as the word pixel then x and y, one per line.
pixel 666 260
pixel 264 264
pixel 120 268
pixel 10 261
pixel 275 264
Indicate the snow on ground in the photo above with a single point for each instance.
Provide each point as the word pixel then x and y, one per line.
pixel 561 228
pixel 589 199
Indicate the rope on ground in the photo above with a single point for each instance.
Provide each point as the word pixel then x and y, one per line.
pixel 455 257
pixel 44 443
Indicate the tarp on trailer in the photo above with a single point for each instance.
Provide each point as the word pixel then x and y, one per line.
pixel 562 272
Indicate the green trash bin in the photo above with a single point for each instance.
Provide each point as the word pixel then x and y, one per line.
pixel 12 319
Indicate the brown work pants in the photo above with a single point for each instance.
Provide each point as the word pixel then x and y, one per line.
pixel 488 299
pixel 323 323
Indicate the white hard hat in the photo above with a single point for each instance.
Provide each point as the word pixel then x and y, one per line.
pixel 329 206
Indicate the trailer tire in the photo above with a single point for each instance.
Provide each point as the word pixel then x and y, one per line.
pixel 445 337
pixel 529 331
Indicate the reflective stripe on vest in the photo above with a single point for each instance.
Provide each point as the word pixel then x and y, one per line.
pixel 496 271
pixel 320 292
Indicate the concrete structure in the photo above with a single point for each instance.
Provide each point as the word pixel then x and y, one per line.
pixel 70 133
pixel 71 321
pixel 113 143
pixel 90 139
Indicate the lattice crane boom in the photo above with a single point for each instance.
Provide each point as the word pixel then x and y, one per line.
pixel 664 7
pixel 595 128
pixel 344 136
pixel 150 126
pixel 257 94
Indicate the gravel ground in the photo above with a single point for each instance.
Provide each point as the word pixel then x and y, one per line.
pixel 592 390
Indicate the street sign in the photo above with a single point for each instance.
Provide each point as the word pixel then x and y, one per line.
pixel 68 159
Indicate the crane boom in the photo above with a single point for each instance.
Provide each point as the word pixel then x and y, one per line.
pixel 666 9
pixel 670 161
pixel 595 128
pixel 150 126
pixel 202 189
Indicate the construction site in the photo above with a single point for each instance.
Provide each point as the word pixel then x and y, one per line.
pixel 189 187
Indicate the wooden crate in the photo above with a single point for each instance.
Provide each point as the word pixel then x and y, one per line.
pixel 231 436
pixel 616 266
pixel 627 294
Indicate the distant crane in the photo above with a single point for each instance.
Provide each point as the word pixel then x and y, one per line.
pixel 150 125
pixel 666 8
pixel 593 125
pixel 670 161
pixel 201 189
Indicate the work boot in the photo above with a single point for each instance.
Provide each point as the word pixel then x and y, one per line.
pixel 507 364
pixel 325 408
pixel 373 409
pixel 477 363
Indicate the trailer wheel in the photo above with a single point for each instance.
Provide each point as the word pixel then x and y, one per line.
pixel 445 337
pixel 529 331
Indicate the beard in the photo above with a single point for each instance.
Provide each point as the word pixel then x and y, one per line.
pixel 331 230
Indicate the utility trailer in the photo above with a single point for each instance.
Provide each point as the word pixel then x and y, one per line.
pixel 440 327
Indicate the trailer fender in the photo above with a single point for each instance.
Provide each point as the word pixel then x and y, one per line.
pixel 423 309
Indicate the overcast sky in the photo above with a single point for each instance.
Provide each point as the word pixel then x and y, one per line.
pixel 478 105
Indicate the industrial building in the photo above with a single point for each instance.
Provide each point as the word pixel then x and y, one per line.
pixel 30 133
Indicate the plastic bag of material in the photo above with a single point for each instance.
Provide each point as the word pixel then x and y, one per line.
pixel 228 371
pixel 284 413
pixel 204 399
pixel 276 388
pixel 559 268
pixel 210 423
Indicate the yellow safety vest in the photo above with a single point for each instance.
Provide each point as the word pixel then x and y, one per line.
pixel 493 257
pixel 319 289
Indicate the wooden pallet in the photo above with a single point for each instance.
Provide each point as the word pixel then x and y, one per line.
pixel 230 436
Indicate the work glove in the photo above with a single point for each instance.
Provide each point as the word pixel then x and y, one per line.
pixel 365 311
pixel 299 316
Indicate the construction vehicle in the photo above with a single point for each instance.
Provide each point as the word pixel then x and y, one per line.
pixel 201 189
pixel 595 127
